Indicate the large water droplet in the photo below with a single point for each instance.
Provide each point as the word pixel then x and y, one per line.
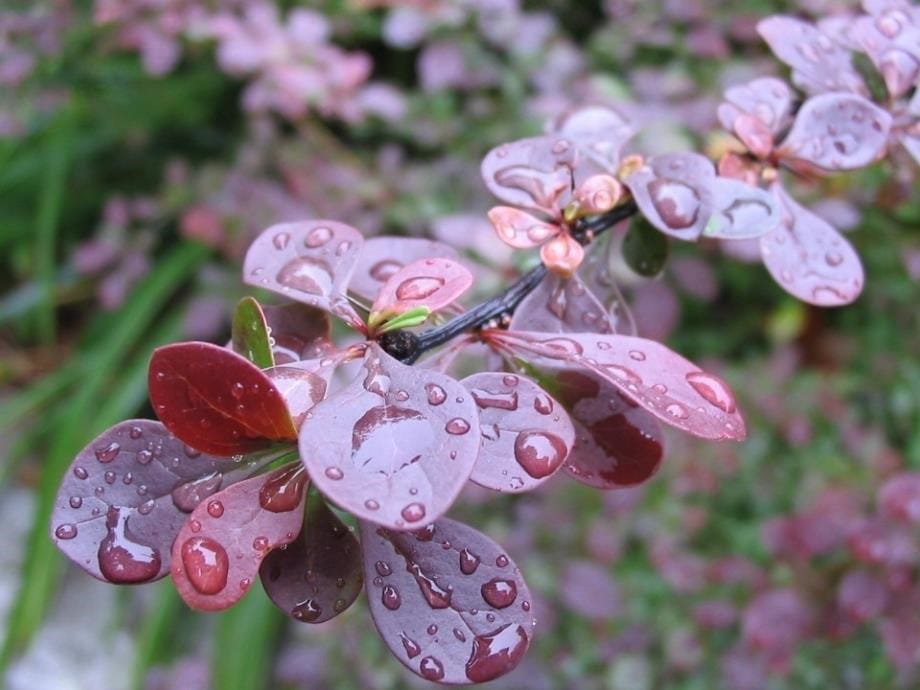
pixel 188 495
pixel 499 593
pixel 413 512
pixel 317 237
pixel 539 452
pixel 677 203
pixel 436 394
pixel 284 492
pixel 108 453
pixel 496 653
pixel 206 564
pixel 457 426
pixel 713 389
pixel 436 596
pixel 431 669
pixel 307 611
pixel 389 597
pixel 412 648
pixel 469 562
pixel 306 275
pixel 419 287
pixel 123 560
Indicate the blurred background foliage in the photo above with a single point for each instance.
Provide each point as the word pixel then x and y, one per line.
pixel 143 142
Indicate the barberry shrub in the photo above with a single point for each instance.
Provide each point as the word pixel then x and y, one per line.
pixel 264 443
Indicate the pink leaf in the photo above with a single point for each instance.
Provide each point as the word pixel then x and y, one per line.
pixel 562 255
pixel 767 99
pixel 520 229
pixel 451 606
pixel 560 305
pixel 381 257
pixel 533 173
pixel 740 211
pixel 433 283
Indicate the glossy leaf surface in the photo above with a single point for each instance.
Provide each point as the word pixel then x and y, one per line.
pixel 297 331
pixel 560 305
pixel 519 229
pixel 809 259
pixel 447 600
pixel 381 257
pixel 838 131
pixel 643 371
pixel 740 211
pixel 215 400
pixel 217 554
pixel 434 283
pixel 526 435
pixel 311 262
pixel 562 255
pixel 533 173
pixel 250 334
pixel 767 99
pixel 127 494
pixel 303 384
pixel 395 445
pixel 319 575
pixel 598 134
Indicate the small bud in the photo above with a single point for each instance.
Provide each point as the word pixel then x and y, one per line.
pixel 598 194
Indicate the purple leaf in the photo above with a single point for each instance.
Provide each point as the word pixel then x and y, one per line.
pixel 127 494
pixel 215 400
pixel 560 305
pixel 644 372
pixel 882 38
pixel 837 131
pixel 395 446
pixel 449 603
pixel 319 575
pixel 433 283
pixel 533 173
pixel 596 275
pixel 818 63
pixel 598 134
pixel 741 212
pixel 672 192
pixel 768 99
pixel 298 331
pixel 381 257
pixel 590 591
pixel 310 261
pixel 218 551
pixel 526 435
pixel 809 259
pixel 303 384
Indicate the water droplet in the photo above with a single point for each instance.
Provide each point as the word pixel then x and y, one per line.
pixel 458 633
pixel 431 669
pixel 413 512
pixel 540 453
pixel 436 394
pixel 206 564
pixel 637 356
pixel 66 531
pixel 677 203
pixel 339 605
pixel 436 596
pixel 260 543
pixel 80 472
pixel 457 426
pixel 412 648
pixel 499 593
pixel 317 237
pixel 306 275
pixel 501 561
pixel 469 562
pixel 109 477
pixel 496 653
pixel 383 568
pixel 432 629
pixel 147 507
pixel 426 533
pixel 108 453
pixel 124 560
pixel 418 288
pixel 307 611
pixel 833 259
pixel 371 504
pixel 334 473
pixel 281 240
pixel 237 390
pixel 383 270
pixel 188 495
pixel 144 457
pixel 497 400
pixel 543 404
pixel 284 491
pixel 75 502
pixel 561 146
pixel 562 346
pixel 510 380
pixel 677 410
pixel 136 432
pixel 713 390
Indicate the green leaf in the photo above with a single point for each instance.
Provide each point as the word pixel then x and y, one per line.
pixel 412 317
pixel 645 249
pixel 250 334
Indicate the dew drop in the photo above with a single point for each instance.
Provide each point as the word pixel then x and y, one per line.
pixel 499 593
pixel 307 611
pixel 80 472
pixel 206 564
pixel 306 275
pixel 413 512
pixel 432 629
pixel 108 453
pixel 436 394
pixel 383 270
pixel 677 411
pixel 123 560
pixel 543 404
pixel 136 432
pixel 431 669
pixel 418 288
pixel 412 648
pixel 677 203
pixel 501 561
pixel 260 543
pixel 66 531
pixel 457 426
pixel 713 390
pixel 540 453
pixel 109 477
pixel 317 237
pixel 371 504
pixel 144 457
pixel 284 491
pixel 237 390
pixel 496 653
pixel 637 356
pixel 75 502
pixel 469 562
pixel 188 495
pixel 334 473
pixel 281 240
pixel 383 568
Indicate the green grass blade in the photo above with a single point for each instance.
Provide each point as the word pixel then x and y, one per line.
pixel 246 643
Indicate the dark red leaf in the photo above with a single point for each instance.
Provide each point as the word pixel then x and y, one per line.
pixel 310 262
pixel 218 551
pixel 434 283
pixel 810 259
pixel 526 435
pixel 126 496
pixel 644 372
pixel 448 601
pixel 381 257
pixel 215 400
pixel 533 173
pixel 395 446
pixel 319 575
pixel 559 305
pixel 297 332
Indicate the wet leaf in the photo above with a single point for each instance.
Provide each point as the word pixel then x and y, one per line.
pixel 319 575
pixel 598 134
pixel 432 283
pixel 562 255
pixel 645 250
pixel 672 192
pixel 886 39
pixel 526 435
pixel 560 305
pixel 215 400
pixel 303 384
pixel 767 99
pixel 449 603
pixel 809 259
pixel 311 262
pixel 395 446
pixel 250 334
pixel 533 173
pixel 741 211
pixel 127 494
pixel 298 331
pixel 519 229
pixel 217 554
pixel 838 131
pixel 644 372
pixel 381 257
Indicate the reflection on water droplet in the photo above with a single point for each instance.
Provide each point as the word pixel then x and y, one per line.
pixel 334 473
pixel 206 564
pixel 413 512
pixel 412 648
pixel 108 453
pixel 306 275
pixel 677 204
pixel 136 432
pixel 284 491
pixel 677 411
pixel 419 287
pixel 469 562
pixel 307 611
pixel 317 237
pixel 457 426
pixel 713 390
pixel 499 593
pixel 122 559
pixel 436 394
pixel 66 531
pixel 496 653
pixel 540 453
pixel 431 669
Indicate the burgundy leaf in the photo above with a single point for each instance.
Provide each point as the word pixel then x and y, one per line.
pixel 644 372
pixel 297 331
pixel 838 131
pixel 126 496
pixel 395 446
pixel 215 400
pixel 381 257
pixel 250 333
pixel 433 283
pixel 741 212
pixel 526 435
pixel 559 305
pixel 519 229
pixel 310 261
pixel 218 551
pixel 319 575
pixel 767 99
pixel 449 603
pixel 672 192
pixel 818 63
pixel 533 173
pixel 303 384
pixel 809 258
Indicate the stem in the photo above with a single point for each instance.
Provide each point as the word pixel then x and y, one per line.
pixel 408 347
